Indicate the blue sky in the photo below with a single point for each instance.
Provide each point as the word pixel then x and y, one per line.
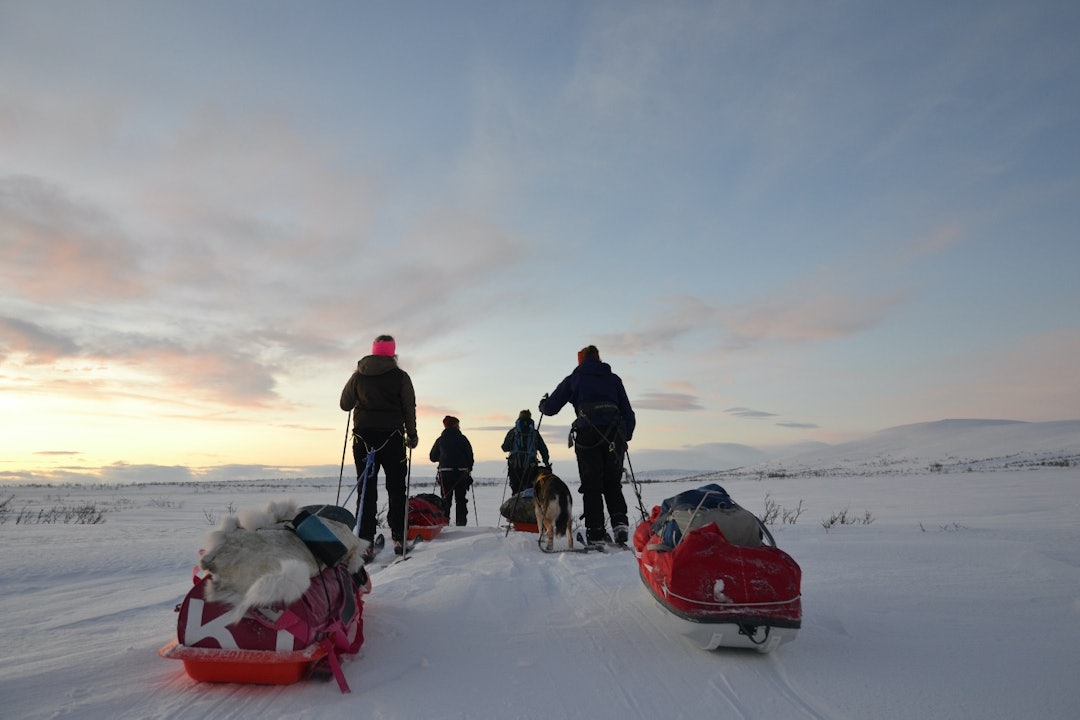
pixel 781 223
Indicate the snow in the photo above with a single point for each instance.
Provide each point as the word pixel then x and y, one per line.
pixel 960 598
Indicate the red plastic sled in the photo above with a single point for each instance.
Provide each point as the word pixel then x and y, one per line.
pixel 426 519
pixel 526 527
pixel 272 645
pixel 257 667
pixel 425 532
pixel 718 593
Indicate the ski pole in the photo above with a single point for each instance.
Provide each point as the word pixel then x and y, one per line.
pixel 408 482
pixel 341 475
pixel 472 486
pixel 637 488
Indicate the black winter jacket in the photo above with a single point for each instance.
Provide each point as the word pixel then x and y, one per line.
pixel 452 450
pixel 381 396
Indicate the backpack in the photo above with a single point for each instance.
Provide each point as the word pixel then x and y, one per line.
pixel 519 508
pixel 523 452
pixel 692 509
pixel 425 510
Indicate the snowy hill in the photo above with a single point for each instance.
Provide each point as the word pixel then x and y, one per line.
pixel 942 446
pixel 958 599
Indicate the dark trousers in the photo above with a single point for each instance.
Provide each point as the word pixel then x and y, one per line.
pixel 389 455
pixel 600 466
pixel 522 475
pixel 455 487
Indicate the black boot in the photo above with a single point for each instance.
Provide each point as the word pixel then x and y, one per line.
pixel 594 535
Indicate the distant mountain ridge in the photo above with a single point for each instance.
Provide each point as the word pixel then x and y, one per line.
pixel 941 446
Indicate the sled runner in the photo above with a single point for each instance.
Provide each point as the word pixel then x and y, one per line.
pixel 278 600
pixel 716 571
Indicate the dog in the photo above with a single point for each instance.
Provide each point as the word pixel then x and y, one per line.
pixel 554 506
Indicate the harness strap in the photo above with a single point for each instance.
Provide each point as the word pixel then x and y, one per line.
pixel 616 426
pixel 335 665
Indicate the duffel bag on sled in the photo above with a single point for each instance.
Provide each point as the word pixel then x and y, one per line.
pixel 278 601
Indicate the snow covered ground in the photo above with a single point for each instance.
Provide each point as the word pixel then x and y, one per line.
pixel 960 599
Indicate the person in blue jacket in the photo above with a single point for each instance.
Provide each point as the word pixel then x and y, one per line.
pixel 604 425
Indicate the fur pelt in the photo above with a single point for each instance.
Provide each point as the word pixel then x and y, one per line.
pixel 253 560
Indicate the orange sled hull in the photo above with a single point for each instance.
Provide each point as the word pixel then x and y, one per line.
pixel 256 667
pixel 526 527
pixel 424 532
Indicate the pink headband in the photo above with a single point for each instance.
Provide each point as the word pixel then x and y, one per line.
pixel 384 347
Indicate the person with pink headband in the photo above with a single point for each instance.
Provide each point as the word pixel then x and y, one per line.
pixel 381 398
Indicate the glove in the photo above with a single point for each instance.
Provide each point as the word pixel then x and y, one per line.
pixel 412 441
pixel 543 400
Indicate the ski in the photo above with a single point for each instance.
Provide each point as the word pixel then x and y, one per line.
pixel 581 547
pixel 377 544
pixel 594 547
pixel 604 544
pixel 408 548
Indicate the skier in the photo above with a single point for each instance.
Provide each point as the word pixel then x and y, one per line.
pixel 383 402
pixel 604 425
pixel 454 454
pixel 523 442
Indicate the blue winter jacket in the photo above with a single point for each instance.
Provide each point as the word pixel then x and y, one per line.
pixel 593 389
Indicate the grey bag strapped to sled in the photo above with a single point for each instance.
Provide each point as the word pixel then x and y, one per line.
pixel 320 539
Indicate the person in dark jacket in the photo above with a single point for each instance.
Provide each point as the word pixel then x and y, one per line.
pixel 523 442
pixel 604 425
pixel 383 403
pixel 454 454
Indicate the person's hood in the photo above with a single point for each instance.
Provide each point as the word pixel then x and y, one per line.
pixel 375 365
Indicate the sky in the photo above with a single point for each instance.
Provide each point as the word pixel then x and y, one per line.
pixel 959 599
pixel 782 224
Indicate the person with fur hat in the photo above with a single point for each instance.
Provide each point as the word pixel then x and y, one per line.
pixel 603 426
pixel 454 454
pixel 523 442
pixel 383 403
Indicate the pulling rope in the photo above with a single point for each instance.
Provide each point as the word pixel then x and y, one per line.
pixel 369 472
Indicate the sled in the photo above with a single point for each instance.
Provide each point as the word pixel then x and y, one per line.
pixel 742 592
pixel 256 667
pixel 425 532
pixel 520 511
pixel 426 519
pixel 264 627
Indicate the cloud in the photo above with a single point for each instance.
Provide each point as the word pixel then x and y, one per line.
pixel 56 249
pixel 38 344
pixel 810 317
pixel 125 473
pixel 677 402
pixel 745 412
pixel 814 310
pixel 243 247
pixel 798 425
